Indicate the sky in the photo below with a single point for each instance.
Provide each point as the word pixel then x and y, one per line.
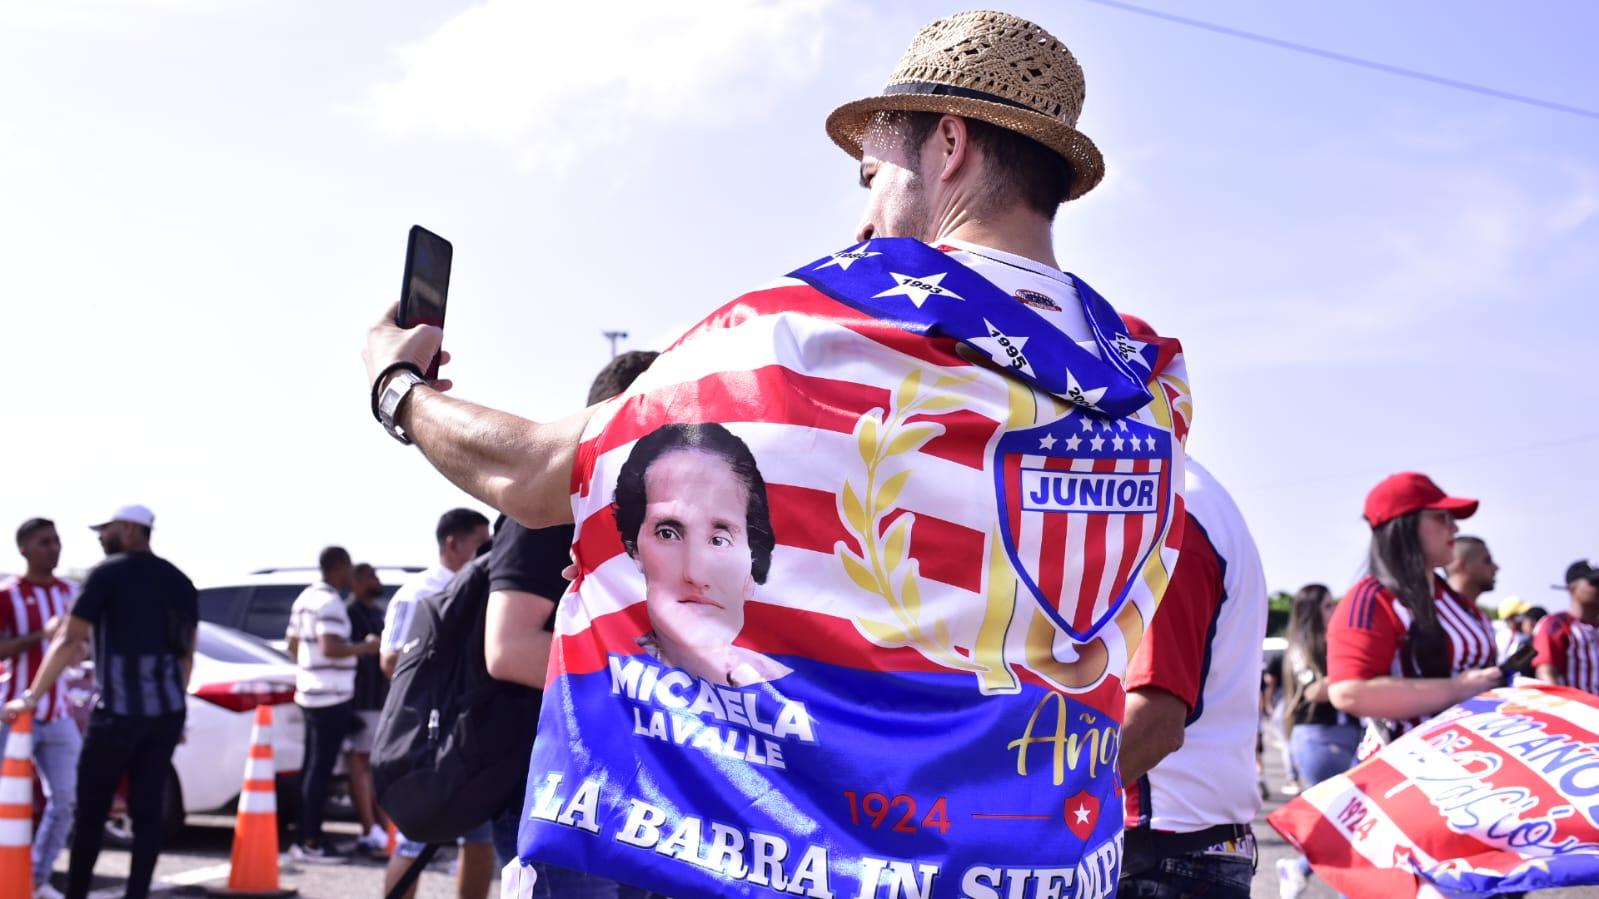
pixel 205 204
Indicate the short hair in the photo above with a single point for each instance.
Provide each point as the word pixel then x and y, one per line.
pixel 1020 169
pixel 364 568
pixel 1535 614
pixel 32 526
pixel 619 374
pixel 331 558
pixel 1468 547
pixel 628 502
pixel 459 523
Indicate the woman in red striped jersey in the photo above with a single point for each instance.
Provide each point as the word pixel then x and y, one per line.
pixel 1401 645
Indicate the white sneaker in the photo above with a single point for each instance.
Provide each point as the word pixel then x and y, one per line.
pixel 316 855
pixel 376 840
pixel 46 891
pixel 1290 880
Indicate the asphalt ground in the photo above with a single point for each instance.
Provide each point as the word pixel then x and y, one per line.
pixel 199 858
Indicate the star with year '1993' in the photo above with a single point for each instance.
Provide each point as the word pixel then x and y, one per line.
pixel 847 258
pixel 918 288
pixel 1005 350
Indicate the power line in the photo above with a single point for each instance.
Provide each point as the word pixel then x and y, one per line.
pixel 1351 60
pixel 1444 460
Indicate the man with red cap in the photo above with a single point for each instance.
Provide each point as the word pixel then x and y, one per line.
pixel 1401 645
pixel 1568 642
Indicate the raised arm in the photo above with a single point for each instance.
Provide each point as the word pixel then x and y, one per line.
pixel 521 467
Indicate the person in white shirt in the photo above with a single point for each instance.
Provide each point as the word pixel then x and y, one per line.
pixel 319 643
pixel 460 534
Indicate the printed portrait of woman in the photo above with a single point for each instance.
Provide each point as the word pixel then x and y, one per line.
pixel 692 510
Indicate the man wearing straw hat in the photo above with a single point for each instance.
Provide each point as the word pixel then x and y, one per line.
pixel 952 281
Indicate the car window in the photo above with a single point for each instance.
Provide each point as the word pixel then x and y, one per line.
pixel 268 616
pixel 236 648
pixel 223 605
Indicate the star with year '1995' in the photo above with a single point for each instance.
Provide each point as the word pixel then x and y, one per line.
pixel 1005 350
pixel 918 288
pixel 847 258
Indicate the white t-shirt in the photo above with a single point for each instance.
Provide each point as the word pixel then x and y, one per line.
pixel 1048 291
pixel 397 618
pixel 322 681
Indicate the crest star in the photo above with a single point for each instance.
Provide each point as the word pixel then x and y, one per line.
pixel 848 258
pixel 1149 443
pixel 1121 424
pixel 1048 442
pixel 1117 442
pixel 1073 442
pixel 1088 423
pixel 1082 814
pixel 919 288
pixel 1006 351
pixel 1097 444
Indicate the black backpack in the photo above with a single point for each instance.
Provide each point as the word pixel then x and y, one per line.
pixel 452 744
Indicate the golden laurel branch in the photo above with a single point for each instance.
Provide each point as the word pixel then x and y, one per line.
pixel 885 568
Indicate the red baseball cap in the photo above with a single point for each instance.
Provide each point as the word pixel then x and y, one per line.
pixel 1412 491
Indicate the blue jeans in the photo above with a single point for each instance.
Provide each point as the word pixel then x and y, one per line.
pixel 56 746
pixel 1192 876
pixel 1322 751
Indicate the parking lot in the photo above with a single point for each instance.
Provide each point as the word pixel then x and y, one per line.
pixel 199 858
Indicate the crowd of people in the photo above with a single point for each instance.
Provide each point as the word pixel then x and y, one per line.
pixel 1414 636
pixel 969 160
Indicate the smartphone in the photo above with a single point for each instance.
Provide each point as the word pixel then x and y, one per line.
pixel 1518 661
pixel 426 288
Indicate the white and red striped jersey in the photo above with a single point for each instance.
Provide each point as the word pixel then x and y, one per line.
pixel 1369 635
pixel 25 608
pixel 1571 645
pixel 1204 648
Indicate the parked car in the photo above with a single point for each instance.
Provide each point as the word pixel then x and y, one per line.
pixel 258 604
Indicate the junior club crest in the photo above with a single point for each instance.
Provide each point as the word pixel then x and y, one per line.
pixel 1083 502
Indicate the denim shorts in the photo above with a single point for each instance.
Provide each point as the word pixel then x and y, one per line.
pixel 407 848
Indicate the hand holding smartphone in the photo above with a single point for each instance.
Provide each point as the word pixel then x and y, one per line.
pixel 426 288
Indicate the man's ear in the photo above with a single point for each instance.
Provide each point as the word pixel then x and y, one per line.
pixel 953 142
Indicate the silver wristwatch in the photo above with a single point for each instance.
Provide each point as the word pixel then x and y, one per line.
pixel 394 393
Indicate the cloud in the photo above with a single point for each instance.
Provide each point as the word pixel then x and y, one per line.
pixel 547 80
pixel 99 13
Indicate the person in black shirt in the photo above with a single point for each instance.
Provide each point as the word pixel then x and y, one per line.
pixel 525 581
pixel 371 688
pixel 143 613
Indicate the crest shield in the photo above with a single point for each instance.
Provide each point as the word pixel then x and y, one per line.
pixel 1083 501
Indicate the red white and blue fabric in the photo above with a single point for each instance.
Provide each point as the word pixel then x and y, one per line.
pixel 25 608
pixel 950 723
pixel 1497 794
pixel 1368 636
pixel 1571 646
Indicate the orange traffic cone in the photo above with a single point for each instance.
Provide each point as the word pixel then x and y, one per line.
pixel 255 834
pixel 16 810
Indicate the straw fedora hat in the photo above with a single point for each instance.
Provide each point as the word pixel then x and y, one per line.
pixel 990 66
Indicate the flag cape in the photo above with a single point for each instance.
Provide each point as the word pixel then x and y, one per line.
pixel 964 520
pixel 1497 794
